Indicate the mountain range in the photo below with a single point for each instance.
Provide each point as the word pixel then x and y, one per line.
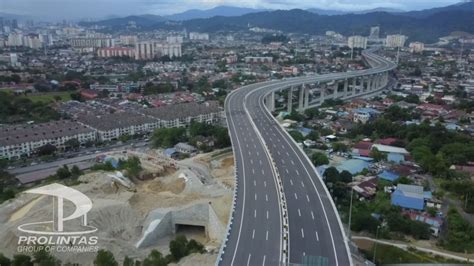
pixel 425 25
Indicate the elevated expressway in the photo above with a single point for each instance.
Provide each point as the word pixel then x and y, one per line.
pixel 282 213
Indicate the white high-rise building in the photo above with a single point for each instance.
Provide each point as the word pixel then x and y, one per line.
pixel 91 42
pixel 15 39
pixel 174 39
pixel 357 42
pixel 396 40
pixel 416 47
pixel 153 49
pixel 128 39
pixel 374 32
pixel 199 36
pixel 32 41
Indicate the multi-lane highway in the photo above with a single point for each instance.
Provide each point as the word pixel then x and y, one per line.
pixel 282 211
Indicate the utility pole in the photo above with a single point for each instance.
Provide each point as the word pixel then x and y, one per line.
pixel 466 200
pixel 349 232
pixel 375 244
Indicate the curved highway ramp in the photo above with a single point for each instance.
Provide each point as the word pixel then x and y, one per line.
pixel 283 213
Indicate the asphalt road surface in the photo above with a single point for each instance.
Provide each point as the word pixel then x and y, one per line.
pixel 256 231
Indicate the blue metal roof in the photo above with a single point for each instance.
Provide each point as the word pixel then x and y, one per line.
pixel 353 166
pixel 170 151
pixel 399 199
pixel 388 175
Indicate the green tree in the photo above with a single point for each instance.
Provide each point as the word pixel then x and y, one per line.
pixel 296 116
pixel 339 147
pixel 63 172
pixel 72 144
pixel 296 135
pixel 133 166
pixel 345 176
pixel 44 258
pixel 178 247
pixel 331 175
pixel 128 261
pixel 311 113
pixel 168 137
pixel 22 260
pixel 105 258
pixel 313 135
pixel 47 149
pixel 75 171
pixel 195 247
pixel 377 155
pixel 4 261
pixel 319 159
pixel 155 258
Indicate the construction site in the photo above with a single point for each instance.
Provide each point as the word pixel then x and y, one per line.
pixel 136 215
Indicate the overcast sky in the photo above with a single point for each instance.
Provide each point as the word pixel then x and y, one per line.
pixel 74 9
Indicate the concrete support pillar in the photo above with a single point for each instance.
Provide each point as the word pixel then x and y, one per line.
pixel 346 85
pixel 369 83
pixel 354 85
pixel 290 100
pixel 306 97
pixel 272 100
pixel 301 98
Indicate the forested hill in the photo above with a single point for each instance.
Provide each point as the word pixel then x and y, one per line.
pixel 426 25
pixel 427 29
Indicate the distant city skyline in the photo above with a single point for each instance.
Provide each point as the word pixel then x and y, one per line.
pixel 73 9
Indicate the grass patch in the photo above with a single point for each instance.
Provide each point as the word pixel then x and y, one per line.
pixel 392 255
pixel 48 97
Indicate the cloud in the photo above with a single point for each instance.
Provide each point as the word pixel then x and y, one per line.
pixel 74 9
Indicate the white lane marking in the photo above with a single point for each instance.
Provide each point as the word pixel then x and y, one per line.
pixel 266 236
pixel 250 153
pixel 317 236
pixel 260 162
pixel 312 215
pixel 287 171
pixel 265 183
pixel 283 146
pixel 253 171
pixel 266 197
pixel 255 213
pixel 253 234
pixel 292 162
pixel 263 172
pixel 263 264
pixel 302 233
pixel 287 154
pixel 254 183
pixel 297 173
pixel 246 145
pixel 296 196
pixel 291 182
pixel 282 161
pixel 255 196
pixel 307 198
pixel 248 260
pixel 251 161
pixel 258 154
pixel 278 152
pixel 267 215
pixel 254 146
pixel 270 139
pixel 299 212
pixel 302 184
